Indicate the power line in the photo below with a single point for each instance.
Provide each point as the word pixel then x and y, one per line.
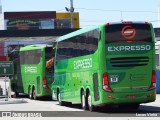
pixel 99 10
pixel 60 10
pixel 120 11
pixel 84 20
pixel 104 10
pixel 154 20
pixel 87 20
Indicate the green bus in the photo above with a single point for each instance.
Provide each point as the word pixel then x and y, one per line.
pixel 36 78
pixel 110 64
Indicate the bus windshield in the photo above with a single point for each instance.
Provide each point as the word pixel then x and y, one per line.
pixel 128 33
pixel 30 56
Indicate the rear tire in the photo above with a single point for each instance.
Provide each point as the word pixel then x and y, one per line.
pixel 61 103
pixel 34 94
pixel 17 94
pixel 83 101
pixel 30 93
pixel 89 100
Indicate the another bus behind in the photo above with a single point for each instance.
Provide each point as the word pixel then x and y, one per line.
pixel 36 77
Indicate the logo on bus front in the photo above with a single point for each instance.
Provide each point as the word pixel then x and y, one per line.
pixel 128 32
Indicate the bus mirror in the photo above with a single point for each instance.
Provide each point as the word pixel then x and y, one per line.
pixel 99 35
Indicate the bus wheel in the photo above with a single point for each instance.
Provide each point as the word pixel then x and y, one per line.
pixel 83 101
pixel 34 94
pixel 17 94
pixel 89 100
pixel 30 93
pixel 61 103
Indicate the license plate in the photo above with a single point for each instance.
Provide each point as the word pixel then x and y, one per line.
pixel 131 96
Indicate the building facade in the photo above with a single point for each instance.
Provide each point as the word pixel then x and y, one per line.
pixel 39 20
pixel 29 20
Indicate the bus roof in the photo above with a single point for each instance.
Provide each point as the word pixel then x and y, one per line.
pixel 83 30
pixel 35 47
pixel 77 32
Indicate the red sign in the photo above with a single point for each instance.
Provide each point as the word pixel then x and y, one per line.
pixel 3 58
pixel 131 96
pixel 128 32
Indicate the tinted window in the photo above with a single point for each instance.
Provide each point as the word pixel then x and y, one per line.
pixel 83 44
pixel 30 57
pixel 49 52
pixel 124 32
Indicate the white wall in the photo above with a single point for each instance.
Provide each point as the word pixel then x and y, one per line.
pixel 2 84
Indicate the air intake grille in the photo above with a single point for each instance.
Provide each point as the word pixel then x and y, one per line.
pixel 129 61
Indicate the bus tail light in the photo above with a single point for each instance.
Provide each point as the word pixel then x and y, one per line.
pixel 106 86
pixel 153 82
pixel 44 82
pixel 107 24
pixel 128 41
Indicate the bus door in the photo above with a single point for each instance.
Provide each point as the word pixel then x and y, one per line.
pixel 129 57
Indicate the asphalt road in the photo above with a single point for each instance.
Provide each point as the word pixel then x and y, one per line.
pixel 48 108
pixel 46 104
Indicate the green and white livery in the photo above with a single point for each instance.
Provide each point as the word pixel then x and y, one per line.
pixel 36 78
pixel 107 64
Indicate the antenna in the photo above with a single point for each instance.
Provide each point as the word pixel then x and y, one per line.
pixel 121 16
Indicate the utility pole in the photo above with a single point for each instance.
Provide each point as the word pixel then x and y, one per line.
pixel 71 11
pixel 159 16
pixel 72 14
pixel 0 7
pixel 1 23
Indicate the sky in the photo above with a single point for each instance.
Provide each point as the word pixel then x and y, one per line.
pixel 92 12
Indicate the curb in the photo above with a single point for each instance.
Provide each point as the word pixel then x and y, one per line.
pixel 13 101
